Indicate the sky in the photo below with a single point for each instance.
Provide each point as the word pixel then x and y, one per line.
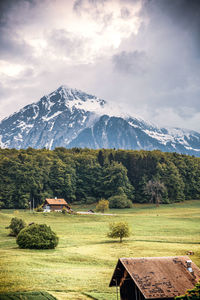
pixel 141 54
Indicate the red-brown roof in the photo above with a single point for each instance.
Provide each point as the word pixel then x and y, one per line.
pixel 158 277
pixel 56 202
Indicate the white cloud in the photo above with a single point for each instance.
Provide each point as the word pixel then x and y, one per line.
pixel 10 69
pixel 101 25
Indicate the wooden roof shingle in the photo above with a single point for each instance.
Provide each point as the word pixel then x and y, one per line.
pixel 56 202
pixel 158 277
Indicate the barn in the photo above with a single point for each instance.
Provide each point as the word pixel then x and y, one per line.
pixel 55 205
pixel 154 277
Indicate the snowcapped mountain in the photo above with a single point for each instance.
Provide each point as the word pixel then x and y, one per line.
pixel 71 118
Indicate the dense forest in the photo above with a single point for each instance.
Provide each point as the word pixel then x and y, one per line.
pixel 85 175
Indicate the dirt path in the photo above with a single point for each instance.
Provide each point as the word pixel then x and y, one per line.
pixel 89 213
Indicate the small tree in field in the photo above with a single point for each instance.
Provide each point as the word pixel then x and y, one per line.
pixel 16 225
pixel 119 230
pixel 102 205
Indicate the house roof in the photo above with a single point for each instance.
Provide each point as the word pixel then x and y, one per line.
pixel 158 277
pixel 56 202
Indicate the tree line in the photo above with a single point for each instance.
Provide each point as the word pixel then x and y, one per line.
pixel 86 175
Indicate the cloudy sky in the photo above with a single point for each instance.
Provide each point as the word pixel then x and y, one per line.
pixel 141 54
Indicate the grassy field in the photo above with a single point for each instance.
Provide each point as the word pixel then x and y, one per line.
pixel 82 264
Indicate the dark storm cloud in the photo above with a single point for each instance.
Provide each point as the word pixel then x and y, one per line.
pixel 131 62
pixel 7 5
pixel 184 14
pixel 175 24
pixel 13 48
pixel 4 8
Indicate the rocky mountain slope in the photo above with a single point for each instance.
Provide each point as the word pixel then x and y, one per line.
pixel 71 118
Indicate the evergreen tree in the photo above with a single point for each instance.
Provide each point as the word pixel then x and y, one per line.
pixel 100 158
pixel 110 157
pixel 172 180
pixel 116 181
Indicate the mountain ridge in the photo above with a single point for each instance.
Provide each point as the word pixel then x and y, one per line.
pixel 71 118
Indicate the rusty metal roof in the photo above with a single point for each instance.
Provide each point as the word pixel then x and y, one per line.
pixel 56 202
pixel 158 277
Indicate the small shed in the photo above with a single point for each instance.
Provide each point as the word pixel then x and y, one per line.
pixel 55 205
pixel 154 277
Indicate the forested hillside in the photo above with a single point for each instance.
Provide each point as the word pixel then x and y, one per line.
pixel 85 176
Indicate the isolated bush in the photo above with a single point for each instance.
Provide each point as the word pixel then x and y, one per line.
pixel 37 236
pixel 120 201
pixel 16 225
pixel 64 211
pixel 39 208
pixel 68 211
pixel 102 205
pixel 119 230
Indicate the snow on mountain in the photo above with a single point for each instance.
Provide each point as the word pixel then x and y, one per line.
pixel 69 117
pixel 2 145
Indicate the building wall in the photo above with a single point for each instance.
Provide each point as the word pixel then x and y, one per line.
pixel 57 207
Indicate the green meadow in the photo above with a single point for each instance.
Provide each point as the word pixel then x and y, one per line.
pixel 82 265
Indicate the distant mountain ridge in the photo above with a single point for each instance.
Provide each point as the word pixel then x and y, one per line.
pixel 72 118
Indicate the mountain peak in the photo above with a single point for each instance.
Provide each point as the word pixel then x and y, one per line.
pixel 64 86
pixel 69 117
pixel 67 89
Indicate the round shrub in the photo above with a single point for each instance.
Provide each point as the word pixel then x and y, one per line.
pixel 102 205
pixel 64 211
pixel 119 201
pixel 39 208
pixel 37 236
pixel 16 225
